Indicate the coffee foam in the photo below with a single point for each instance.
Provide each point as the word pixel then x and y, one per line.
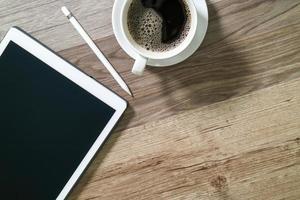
pixel 145 25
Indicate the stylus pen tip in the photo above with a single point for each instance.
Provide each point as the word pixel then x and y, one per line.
pixel 127 90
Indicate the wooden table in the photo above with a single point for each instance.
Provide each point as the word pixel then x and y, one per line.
pixel 225 124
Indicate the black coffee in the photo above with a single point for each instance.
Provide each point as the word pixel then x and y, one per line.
pixel 159 25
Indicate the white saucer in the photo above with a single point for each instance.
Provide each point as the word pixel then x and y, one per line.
pixel 200 33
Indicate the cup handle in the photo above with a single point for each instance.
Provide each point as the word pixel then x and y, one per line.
pixel 139 65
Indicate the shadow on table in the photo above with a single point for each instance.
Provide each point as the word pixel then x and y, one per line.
pixel 215 72
pixel 100 156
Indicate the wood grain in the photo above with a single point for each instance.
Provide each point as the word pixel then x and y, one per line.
pixel 243 148
pixel 224 124
pixel 44 20
pixel 225 66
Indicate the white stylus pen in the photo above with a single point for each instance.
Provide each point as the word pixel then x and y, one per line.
pixel 95 49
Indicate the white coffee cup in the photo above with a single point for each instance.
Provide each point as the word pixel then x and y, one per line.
pixel 143 54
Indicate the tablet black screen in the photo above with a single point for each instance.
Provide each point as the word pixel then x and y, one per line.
pixel 47 125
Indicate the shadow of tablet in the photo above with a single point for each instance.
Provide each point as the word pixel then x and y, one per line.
pixel 101 154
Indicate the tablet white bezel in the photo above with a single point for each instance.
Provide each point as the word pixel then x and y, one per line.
pixel 81 79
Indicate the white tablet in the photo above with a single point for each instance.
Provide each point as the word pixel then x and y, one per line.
pixel 53 120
